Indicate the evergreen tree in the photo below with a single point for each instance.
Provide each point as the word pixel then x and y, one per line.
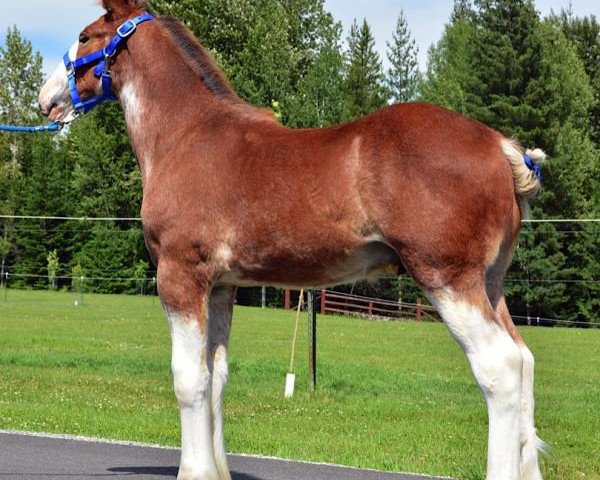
pixel 20 80
pixel 366 91
pixel 403 74
pixel 319 99
pixel 585 35
pixel 107 183
pixel 506 57
pixel 461 11
pixel 266 47
pixel 502 65
pixel 262 71
pixel 43 190
pixel 449 79
pixel 311 29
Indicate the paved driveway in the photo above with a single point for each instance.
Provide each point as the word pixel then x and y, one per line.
pixel 30 457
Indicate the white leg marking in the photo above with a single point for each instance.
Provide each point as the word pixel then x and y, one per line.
pixel 496 362
pixel 192 383
pixel 530 443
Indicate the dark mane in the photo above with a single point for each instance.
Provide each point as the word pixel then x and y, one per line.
pixel 200 59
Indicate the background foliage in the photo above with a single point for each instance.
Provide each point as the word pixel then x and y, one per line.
pixel 534 78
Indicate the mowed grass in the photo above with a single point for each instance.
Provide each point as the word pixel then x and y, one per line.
pixel 391 396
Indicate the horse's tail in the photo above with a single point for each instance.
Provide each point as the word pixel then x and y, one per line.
pixel 525 170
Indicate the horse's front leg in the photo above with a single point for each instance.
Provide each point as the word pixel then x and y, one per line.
pixel 220 313
pixel 185 298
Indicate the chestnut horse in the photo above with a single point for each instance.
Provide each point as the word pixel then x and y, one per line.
pixel 231 198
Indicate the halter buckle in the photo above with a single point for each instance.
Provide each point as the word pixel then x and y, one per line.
pixel 126 29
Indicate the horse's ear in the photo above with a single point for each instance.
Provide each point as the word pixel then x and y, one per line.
pixel 121 7
pixel 138 3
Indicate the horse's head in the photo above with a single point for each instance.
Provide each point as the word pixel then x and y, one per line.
pixel 55 97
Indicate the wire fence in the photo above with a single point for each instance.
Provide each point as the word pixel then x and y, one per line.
pixel 82 286
pixel 109 280
pixel 82 289
pixel 137 219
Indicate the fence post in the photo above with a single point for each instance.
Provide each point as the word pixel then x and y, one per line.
pixel 419 311
pixel 6 287
pixel 81 290
pixel 312 339
pixel 323 302
pixel 263 297
pixel 287 299
pixel 154 292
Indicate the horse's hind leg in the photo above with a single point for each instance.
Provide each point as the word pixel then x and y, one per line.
pixel 220 313
pixel 530 443
pixel 496 362
pixel 185 299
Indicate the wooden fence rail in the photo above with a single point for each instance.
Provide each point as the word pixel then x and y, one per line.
pixel 345 304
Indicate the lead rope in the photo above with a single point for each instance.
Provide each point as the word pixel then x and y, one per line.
pixel 51 127
pixel 290 379
pixel 296 330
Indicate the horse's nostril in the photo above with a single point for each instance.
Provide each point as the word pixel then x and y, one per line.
pixel 46 109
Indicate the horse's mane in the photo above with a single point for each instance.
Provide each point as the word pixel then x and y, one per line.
pixel 200 59
pixel 206 68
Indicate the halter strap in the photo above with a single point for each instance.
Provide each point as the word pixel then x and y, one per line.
pixel 102 58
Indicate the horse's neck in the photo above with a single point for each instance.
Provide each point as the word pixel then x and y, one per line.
pixel 161 97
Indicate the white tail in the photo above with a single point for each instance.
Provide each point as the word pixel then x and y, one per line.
pixel 527 184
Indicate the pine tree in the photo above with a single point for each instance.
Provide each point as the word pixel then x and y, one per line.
pixel 266 47
pixel 449 80
pixel 311 29
pixel 263 68
pixel 585 35
pixel 403 74
pixel 461 11
pixel 20 80
pixel 366 91
pixel 504 66
pixel 107 183
pixel 319 99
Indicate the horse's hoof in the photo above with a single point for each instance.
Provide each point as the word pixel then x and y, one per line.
pixel 193 474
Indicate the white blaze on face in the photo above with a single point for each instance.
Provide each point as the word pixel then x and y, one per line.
pixel 55 98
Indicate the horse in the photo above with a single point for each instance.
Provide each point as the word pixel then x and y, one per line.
pixel 233 198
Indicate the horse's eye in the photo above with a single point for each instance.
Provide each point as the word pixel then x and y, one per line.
pixel 83 38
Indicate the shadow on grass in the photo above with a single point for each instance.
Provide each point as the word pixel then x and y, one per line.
pixel 168 472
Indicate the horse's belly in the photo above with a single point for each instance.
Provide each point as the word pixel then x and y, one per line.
pixel 321 269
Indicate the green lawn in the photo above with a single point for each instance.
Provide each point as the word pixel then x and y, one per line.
pixel 391 396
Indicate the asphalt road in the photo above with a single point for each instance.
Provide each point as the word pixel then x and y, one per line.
pixel 28 457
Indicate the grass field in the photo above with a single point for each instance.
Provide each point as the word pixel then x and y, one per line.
pixel 391 396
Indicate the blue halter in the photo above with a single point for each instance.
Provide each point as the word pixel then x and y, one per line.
pixel 102 58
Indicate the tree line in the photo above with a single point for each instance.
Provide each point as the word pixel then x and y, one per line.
pixel 498 61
